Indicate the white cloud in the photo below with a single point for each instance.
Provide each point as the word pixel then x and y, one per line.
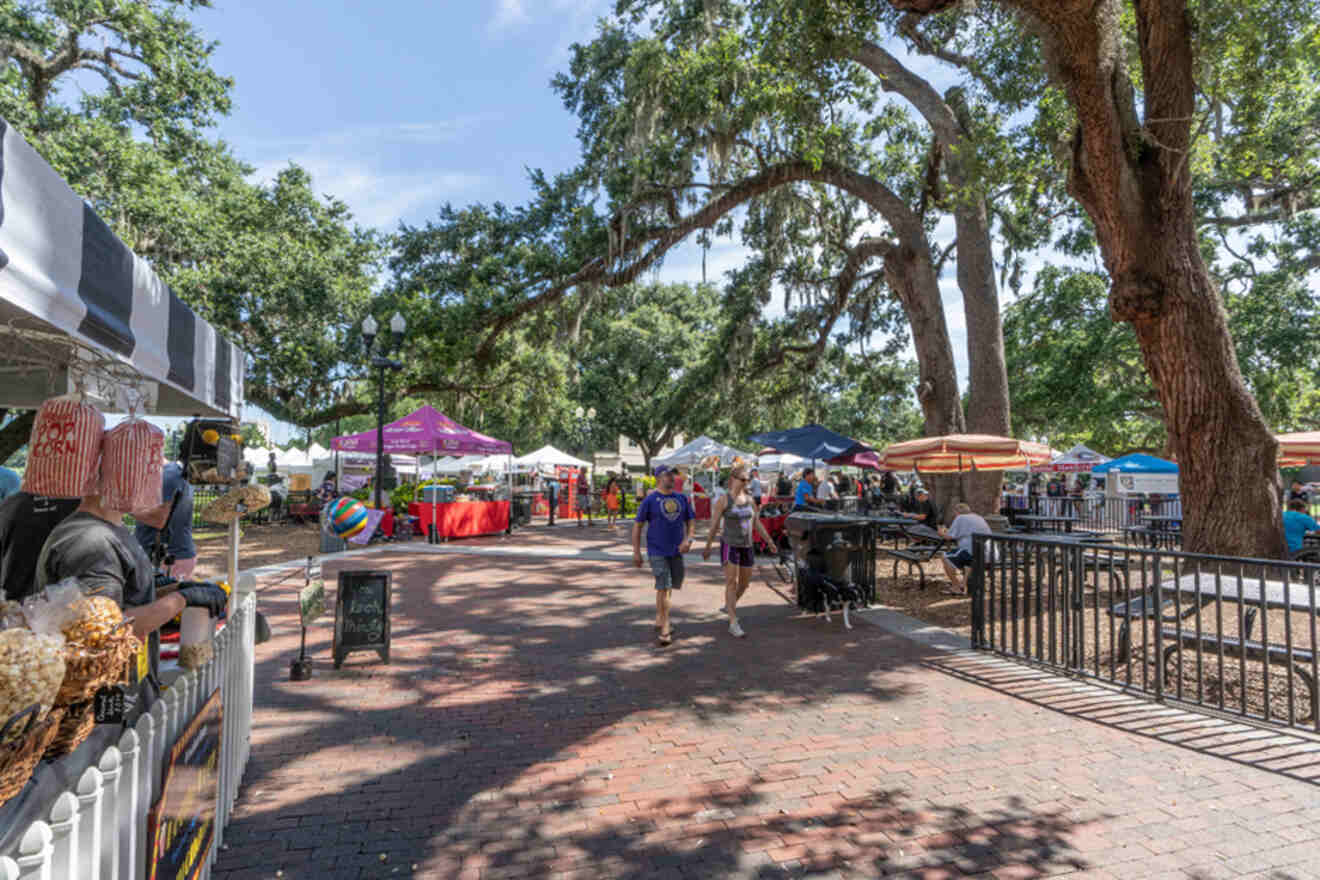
pixel 509 14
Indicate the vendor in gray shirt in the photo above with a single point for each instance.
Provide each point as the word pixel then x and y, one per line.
pixel 964 526
pixel 92 546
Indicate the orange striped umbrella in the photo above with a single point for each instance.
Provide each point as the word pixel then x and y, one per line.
pixel 1299 449
pixel 955 453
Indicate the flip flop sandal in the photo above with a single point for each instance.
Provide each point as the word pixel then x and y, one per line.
pixel 665 640
pixel 673 630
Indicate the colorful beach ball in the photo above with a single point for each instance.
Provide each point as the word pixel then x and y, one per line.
pixel 347 516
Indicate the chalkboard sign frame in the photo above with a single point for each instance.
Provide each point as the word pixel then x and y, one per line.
pixel 343 594
pixel 181 824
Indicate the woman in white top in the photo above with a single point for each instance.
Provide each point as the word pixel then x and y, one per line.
pixel 734 517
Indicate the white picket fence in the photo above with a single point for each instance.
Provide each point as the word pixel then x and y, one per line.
pixel 98 830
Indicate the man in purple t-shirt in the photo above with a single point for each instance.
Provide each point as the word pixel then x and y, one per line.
pixel 668 518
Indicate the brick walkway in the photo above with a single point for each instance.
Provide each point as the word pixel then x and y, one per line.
pixel 527 727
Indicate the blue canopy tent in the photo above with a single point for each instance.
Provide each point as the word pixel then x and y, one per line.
pixel 819 444
pixel 1137 463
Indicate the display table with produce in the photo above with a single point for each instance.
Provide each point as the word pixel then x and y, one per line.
pixel 462 519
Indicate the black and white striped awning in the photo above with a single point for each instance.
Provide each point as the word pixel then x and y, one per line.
pixel 62 270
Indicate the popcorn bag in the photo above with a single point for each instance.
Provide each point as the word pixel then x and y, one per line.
pixel 132 457
pixel 64 449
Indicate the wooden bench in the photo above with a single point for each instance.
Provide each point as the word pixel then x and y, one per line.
pixel 1235 647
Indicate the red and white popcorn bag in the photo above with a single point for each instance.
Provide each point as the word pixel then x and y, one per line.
pixel 131 462
pixel 64 449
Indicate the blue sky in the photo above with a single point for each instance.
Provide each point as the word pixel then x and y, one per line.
pixel 398 107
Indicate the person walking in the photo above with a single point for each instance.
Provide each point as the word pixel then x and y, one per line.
pixel 754 487
pixel 551 496
pixel 583 497
pixel 668 518
pixel 613 495
pixel 734 518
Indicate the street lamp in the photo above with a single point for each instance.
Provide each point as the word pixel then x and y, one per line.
pixel 585 426
pixel 381 363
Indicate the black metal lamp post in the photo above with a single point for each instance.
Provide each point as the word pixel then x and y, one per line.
pixel 381 363
pixel 586 425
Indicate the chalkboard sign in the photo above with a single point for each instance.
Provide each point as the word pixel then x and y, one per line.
pixel 362 614
pixel 181 825
pixel 226 458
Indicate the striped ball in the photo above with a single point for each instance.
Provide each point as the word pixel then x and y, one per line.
pixel 347 517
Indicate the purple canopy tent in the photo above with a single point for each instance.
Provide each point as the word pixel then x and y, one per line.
pixel 427 431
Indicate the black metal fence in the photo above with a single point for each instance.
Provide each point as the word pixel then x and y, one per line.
pixel 1234 635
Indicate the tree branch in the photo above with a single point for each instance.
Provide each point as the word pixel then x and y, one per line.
pixel 896 78
pixel 596 270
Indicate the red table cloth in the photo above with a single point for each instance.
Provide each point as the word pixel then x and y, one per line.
pixel 463 519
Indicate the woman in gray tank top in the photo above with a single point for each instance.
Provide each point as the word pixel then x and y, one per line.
pixel 734 518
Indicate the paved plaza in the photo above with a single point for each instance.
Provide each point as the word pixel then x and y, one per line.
pixel 528 726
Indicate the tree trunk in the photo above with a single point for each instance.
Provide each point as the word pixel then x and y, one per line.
pixel 987 376
pixel 14 435
pixel 1134 181
pixel 911 276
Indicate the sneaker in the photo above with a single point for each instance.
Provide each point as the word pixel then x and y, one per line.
pixel 736 630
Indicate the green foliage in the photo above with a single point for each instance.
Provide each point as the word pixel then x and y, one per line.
pixel 1078 376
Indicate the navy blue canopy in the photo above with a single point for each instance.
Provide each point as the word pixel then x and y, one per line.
pixel 816 443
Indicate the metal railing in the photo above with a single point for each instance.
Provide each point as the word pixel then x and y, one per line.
pixel 1096 514
pixel 97 830
pixel 1230 634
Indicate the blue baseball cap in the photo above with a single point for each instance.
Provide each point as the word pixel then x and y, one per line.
pixel 662 469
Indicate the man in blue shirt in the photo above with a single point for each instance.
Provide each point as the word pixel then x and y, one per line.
pixel 181 545
pixel 804 498
pixel 1296 523
pixel 9 483
pixel 668 518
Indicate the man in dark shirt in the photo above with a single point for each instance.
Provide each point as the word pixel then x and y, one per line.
pixel 923 510
pixel 1298 493
pixel 26 521
pixel 181 545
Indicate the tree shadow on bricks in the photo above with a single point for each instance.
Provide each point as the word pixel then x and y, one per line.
pixel 743 833
pixel 1274 750
pixel 504 674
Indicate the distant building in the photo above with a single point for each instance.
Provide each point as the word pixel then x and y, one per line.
pixel 627 454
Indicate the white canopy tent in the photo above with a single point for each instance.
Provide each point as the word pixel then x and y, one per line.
pixel 548 457
pixel 695 451
pixel 781 463
pixel 1076 460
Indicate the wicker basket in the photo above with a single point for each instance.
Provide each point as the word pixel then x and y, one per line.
pixel 86 672
pixel 75 725
pixel 19 757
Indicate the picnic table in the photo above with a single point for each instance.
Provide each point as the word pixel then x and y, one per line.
pixel 1031 519
pixel 1254 594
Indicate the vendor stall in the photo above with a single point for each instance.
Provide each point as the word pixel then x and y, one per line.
pixel 82 315
pixel 430 432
